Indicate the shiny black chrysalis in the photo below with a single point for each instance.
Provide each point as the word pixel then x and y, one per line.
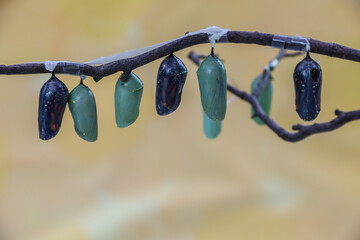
pixel 52 104
pixel 170 82
pixel 307 79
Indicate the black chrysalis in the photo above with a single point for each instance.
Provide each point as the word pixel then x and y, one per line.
pixel 170 82
pixel 308 80
pixel 52 104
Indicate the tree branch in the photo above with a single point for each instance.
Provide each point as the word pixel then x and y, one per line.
pixel 302 131
pixel 132 62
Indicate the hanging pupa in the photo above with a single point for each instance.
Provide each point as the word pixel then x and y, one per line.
pixel 308 80
pixel 127 100
pixel 83 110
pixel 212 82
pixel 52 104
pixel 211 128
pixel 170 82
pixel 264 98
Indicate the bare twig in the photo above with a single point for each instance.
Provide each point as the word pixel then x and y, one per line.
pixel 269 68
pixel 200 37
pixel 302 131
pixel 266 75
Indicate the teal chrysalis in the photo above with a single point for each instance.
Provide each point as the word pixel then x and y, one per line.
pixel 170 82
pixel 212 128
pixel 127 100
pixel 83 110
pixel 212 82
pixel 308 80
pixel 52 104
pixel 264 98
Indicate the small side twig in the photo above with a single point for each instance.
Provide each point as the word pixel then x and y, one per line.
pixel 269 68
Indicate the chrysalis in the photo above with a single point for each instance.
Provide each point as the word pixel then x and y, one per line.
pixel 264 98
pixel 127 100
pixel 212 83
pixel 52 104
pixel 307 79
pixel 212 128
pixel 170 81
pixel 83 110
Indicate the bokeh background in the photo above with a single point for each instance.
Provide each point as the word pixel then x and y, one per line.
pixel 161 178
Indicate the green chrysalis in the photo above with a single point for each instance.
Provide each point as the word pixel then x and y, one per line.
pixel 212 83
pixel 83 110
pixel 264 98
pixel 212 128
pixel 127 100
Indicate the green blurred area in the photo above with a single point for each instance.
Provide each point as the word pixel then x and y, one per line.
pixel 161 178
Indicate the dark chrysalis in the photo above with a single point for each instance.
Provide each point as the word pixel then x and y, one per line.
pixel 52 104
pixel 170 82
pixel 307 79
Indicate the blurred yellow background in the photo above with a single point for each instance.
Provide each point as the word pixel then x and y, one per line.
pixel 161 178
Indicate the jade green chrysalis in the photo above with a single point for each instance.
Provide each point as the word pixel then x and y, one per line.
pixel 83 110
pixel 212 83
pixel 264 98
pixel 212 128
pixel 127 100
